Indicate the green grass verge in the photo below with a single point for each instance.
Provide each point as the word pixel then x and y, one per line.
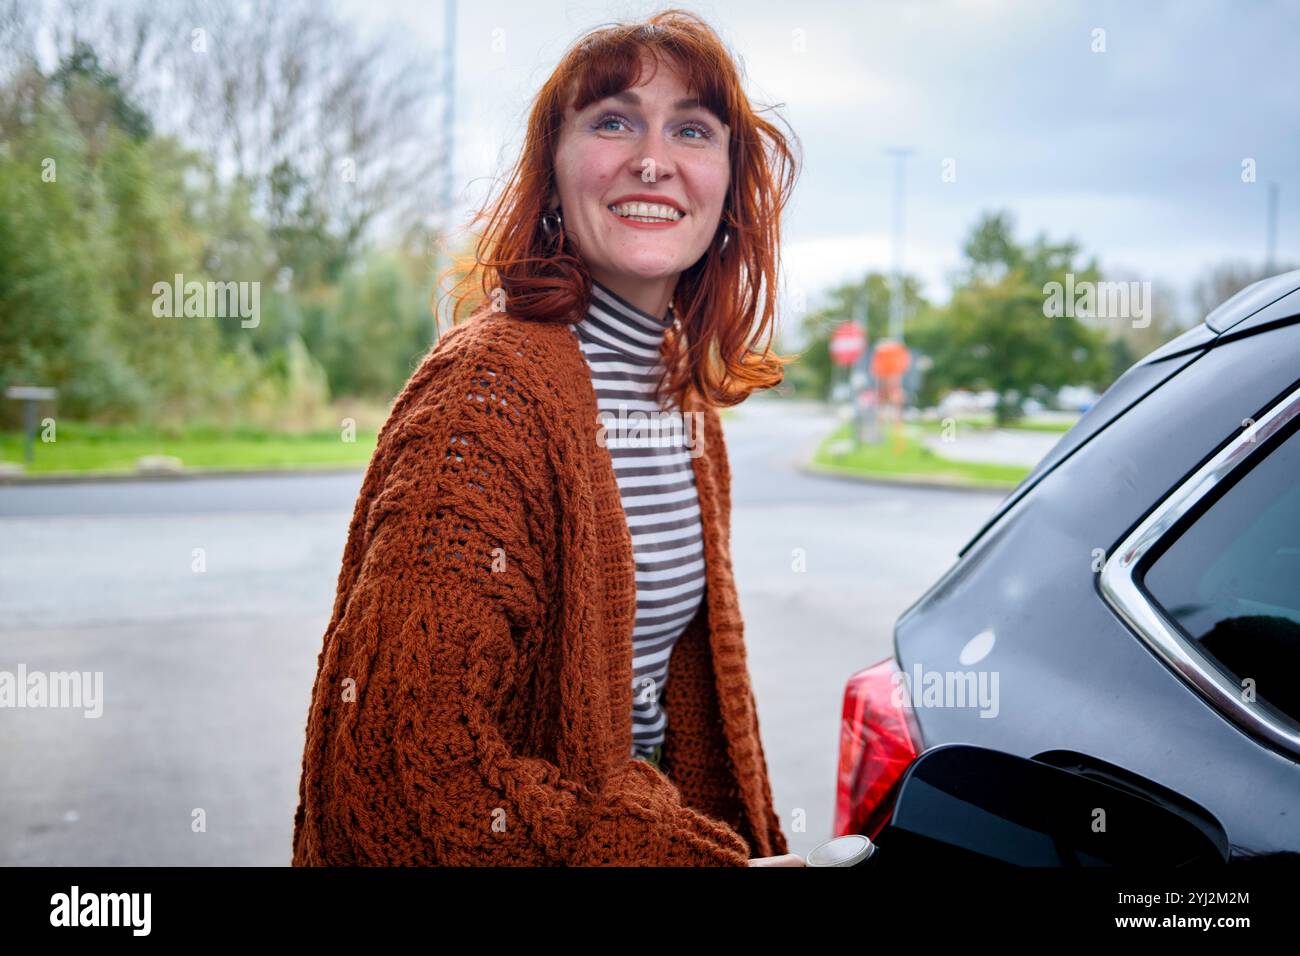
pixel 986 424
pixel 1032 426
pixel 82 447
pixel 902 457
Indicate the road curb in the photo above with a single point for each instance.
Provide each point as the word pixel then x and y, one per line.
pixel 923 482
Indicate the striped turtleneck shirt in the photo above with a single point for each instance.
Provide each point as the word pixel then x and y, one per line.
pixel 651 454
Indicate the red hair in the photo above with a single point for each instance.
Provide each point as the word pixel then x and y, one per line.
pixel 725 304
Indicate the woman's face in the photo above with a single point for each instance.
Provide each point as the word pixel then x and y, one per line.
pixel 643 143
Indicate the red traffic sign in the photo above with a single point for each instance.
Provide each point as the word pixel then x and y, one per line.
pixel 848 342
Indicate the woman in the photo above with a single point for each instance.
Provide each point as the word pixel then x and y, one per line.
pixel 535 655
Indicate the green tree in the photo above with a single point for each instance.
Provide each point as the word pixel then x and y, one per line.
pixel 279 158
pixel 375 326
pixel 95 97
pixel 995 333
pixel 92 216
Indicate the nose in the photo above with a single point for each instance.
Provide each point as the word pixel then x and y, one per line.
pixel 651 162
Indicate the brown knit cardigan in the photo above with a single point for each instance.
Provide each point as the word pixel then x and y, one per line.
pixel 473 697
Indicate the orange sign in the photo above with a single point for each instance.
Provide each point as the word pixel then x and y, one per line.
pixel 890 360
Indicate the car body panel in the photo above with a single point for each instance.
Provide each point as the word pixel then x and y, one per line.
pixel 1070 673
pixel 1252 300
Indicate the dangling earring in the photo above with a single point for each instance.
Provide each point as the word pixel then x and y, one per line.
pixel 552 223
pixel 726 238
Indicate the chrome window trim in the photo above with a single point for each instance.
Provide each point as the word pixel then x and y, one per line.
pixel 1148 621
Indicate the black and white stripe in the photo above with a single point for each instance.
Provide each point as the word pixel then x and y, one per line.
pixel 657 487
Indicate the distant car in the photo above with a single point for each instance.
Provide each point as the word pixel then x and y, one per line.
pixel 1131 611
pixel 960 401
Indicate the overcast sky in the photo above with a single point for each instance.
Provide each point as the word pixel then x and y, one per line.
pixel 1136 152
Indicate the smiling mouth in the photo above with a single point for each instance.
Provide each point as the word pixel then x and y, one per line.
pixel 646 212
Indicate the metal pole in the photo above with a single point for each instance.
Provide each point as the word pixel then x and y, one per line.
pixel 856 378
pixel 449 148
pixel 900 154
pixel 868 426
pixel 29 429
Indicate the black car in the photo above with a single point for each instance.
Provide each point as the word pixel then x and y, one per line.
pixel 1131 611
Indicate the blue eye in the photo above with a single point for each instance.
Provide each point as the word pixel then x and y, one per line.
pixel 607 118
pixel 599 125
pixel 705 132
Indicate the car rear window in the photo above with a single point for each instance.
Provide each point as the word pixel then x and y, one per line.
pixel 1231 579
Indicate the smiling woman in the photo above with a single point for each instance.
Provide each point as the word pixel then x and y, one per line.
pixel 634 118
pixel 536 655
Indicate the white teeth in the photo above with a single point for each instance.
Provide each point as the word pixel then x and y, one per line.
pixel 647 211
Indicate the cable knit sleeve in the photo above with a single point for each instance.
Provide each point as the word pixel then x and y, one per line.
pixel 445 618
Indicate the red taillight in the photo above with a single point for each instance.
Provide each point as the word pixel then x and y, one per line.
pixel 879 738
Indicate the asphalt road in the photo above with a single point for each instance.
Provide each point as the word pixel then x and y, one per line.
pixel 207 673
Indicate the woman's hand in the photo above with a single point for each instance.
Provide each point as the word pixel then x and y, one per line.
pixel 785 859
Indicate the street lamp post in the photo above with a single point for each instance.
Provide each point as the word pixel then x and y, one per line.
pixel 900 155
pixel 449 147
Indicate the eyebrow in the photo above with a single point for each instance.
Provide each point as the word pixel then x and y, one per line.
pixel 628 96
